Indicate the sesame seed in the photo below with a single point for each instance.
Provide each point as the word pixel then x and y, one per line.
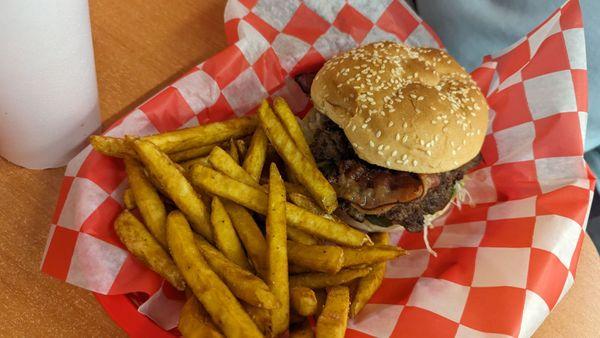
pixel 372 144
pixel 394 153
pixel 378 134
pixel 404 157
pixel 380 147
pixel 428 152
pixel 397 136
pixel 364 126
pixel 405 138
pixel 453 152
pixel 405 125
pixel 355 145
pixel 414 163
pixel 380 153
pixel 421 142
pixel 388 163
pixel 391 123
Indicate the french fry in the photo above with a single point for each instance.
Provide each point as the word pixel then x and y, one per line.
pixel 243 284
pixel 192 153
pixel 221 161
pixel 147 200
pixel 203 135
pixel 302 330
pixel 147 249
pixel 261 317
pixel 371 254
pixel 252 238
pixel 288 119
pixel 242 148
pixel 324 258
pixel 254 199
pixel 321 295
pixel 318 280
pixel 233 151
pixel 305 202
pixel 295 269
pixel 303 301
pixel 224 309
pixel 295 188
pixel 334 317
pixel 128 199
pixel 256 154
pixel 175 185
pixel 325 228
pixel 224 235
pixel 187 165
pixel 304 170
pixel 300 236
pixel 277 252
pixel 111 146
pixel 194 321
pixel 371 282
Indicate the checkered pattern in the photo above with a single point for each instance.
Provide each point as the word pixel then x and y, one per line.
pixel 502 263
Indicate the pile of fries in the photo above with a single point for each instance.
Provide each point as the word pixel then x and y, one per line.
pixel 195 214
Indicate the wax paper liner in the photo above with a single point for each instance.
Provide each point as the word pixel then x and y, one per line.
pixel 502 263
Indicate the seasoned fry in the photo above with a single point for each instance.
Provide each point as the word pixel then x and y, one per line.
pixel 277 251
pixel 317 280
pixel 111 146
pixel 288 119
pixel 233 151
pixel 261 317
pixel 300 236
pixel 257 152
pixel 128 199
pixel 321 295
pixel 304 170
pixel 256 200
pixel 303 301
pixel 295 269
pixel 371 282
pixel 224 309
pixel 192 153
pixel 194 321
pixel 175 185
pixel 241 147
pixel 252 238
pixel 371 254
pixel 224 235
pixel 305 202
pixel 324 258
pixel 187 165
pixel 295 188
pixel 147 249
pixel 203 135
pixel 148 200
pixel 223 162
pixel 302 330
pixel 325 228
pixel 334 317
pixel 242 283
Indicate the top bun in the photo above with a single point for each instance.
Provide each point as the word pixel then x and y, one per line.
pixel 403 108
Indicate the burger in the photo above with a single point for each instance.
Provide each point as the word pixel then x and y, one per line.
pixel 394 129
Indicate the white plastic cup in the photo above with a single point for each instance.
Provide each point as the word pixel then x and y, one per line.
pixel 48 90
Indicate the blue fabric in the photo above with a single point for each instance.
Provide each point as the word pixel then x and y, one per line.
pixel 471 29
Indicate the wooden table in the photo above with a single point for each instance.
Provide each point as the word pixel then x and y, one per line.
pixel 140 46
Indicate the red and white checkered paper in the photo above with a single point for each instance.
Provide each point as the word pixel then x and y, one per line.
pixel 502 264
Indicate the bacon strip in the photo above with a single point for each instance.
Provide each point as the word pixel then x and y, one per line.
pixel 376 190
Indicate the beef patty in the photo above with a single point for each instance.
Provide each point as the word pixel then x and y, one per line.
pixel 334 155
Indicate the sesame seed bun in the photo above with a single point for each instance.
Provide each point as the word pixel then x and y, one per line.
pixel 403 108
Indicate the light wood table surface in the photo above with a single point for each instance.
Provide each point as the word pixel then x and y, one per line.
pixel 141 45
